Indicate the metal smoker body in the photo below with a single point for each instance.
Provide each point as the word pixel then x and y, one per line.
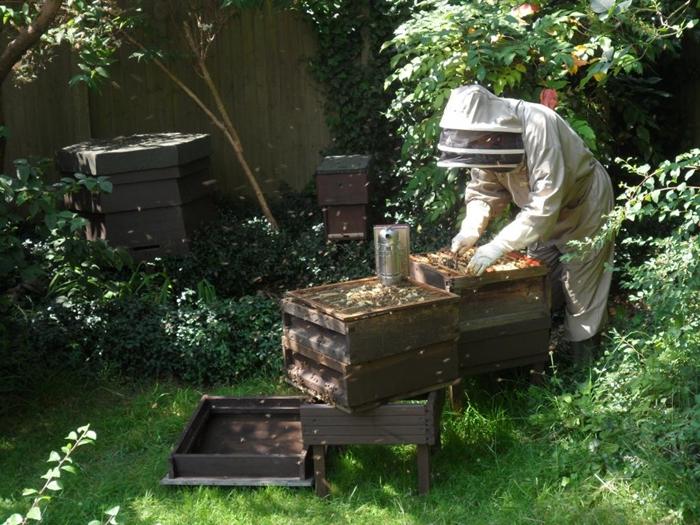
pixel 391 248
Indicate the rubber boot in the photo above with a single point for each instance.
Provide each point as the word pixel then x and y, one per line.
pixel 584 352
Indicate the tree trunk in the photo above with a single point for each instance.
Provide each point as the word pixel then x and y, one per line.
pixel 15 50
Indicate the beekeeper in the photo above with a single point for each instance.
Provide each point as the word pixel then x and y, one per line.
pixel 527 154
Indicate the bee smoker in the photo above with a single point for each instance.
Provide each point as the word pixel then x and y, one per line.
pixel 392 246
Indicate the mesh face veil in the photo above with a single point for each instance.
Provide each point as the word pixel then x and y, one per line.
pixel 480 130
pixel 460 148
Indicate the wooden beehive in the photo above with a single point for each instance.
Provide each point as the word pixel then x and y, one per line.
pixel 358 356
pixel 414 423
pixel 161 190
pixel 504 315
pixel 242 441
pixel 342 186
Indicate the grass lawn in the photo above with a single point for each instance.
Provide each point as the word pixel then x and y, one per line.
pixel 493 468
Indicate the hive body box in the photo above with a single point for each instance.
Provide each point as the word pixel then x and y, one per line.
pixel 504 317
pixel 162 189
pixel 415 423
pixel 242 441
pixel 359 360
pixel 342 185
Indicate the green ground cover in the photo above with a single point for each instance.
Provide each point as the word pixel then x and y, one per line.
pixel 495 466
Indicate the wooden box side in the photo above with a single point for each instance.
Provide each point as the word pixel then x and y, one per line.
pixel 455 281
pixel 393 423
pixel 305 296
pixel 342 188
pixel 200 456
pixel 364 386
pixel 504 346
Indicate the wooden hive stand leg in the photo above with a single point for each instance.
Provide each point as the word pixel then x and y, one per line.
pixel 320 481
pixel 457 396
pixel 423 456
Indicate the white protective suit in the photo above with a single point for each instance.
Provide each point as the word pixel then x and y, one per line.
pixel 563 194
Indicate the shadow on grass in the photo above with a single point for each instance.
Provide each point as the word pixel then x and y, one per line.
pixel 491 469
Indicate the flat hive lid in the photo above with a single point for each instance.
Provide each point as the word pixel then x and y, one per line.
pixel 344 164
pixel 133 153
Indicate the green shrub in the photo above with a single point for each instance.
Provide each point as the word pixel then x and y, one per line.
pixel 240 255
pixel 599 56
pixel 199 341
pixel 639 412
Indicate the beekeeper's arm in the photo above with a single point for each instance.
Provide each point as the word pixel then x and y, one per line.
pixel 485 198
pixel 547 179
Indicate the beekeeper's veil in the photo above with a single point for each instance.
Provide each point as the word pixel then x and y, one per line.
pixel 479 130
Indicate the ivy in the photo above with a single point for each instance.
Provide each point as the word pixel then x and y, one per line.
pixel 351 70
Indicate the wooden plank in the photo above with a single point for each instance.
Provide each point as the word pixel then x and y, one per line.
pixel 321 484
pixel 303 295
pixel 507 324
pixel 310 353
pixel 368 439
pixel 313 316
pixel 237 482
pixel 423 458
pixel 361 387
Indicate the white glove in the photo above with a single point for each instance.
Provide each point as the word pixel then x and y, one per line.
pixel 464 240
pixel 473 225
pixel 484 257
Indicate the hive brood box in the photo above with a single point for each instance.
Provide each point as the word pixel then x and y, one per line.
pixel 504 314
pixel 247 441
pixel 358 356
pixel 162 190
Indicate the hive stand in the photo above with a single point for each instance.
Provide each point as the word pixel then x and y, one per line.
pixel 391 424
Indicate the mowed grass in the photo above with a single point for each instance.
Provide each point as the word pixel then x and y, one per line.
pixel 492 468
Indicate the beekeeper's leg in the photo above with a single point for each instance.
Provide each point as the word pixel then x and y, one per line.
pixel 550 254
pixel 586 283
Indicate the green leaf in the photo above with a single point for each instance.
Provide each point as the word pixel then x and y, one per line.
pixel 54 457
pixel 34 514
pixel 69 468
pixel 113 511
pixel 15 519
pixel 54 485
pixel 29 492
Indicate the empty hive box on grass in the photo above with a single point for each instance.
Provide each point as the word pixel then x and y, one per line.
pixel 359 343
pixel 504 314
pixel 242 441
pixel 162 189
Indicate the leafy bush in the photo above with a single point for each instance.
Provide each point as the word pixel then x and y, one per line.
pixel 597 55
pixel 36 233
pixel 199 340
pixel 240 254
pixel 640 410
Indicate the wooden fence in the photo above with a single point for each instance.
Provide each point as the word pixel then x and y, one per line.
pixel 260 62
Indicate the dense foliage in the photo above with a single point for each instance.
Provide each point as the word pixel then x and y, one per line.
pixel 639 412
pixel 598 56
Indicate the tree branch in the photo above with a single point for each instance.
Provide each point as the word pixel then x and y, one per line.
pixel 28 37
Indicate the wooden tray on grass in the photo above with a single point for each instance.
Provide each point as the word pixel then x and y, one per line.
pixel 242 441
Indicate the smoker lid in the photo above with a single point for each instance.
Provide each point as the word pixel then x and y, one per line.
pixel 133 153
pixel 344 164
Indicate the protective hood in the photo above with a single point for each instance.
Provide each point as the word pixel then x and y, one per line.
pixel 480 130
pixel 475 108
